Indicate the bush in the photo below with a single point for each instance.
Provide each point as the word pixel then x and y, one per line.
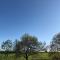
pixel 54 55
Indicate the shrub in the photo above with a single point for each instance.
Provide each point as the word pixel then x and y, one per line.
pixel 54 55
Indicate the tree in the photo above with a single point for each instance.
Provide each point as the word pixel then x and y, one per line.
pixel 16 48
pixel 7 45
pixel 42 46
pixel 28 45
pixel 55 44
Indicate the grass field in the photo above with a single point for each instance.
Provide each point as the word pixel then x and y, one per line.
pixel 42 56
pixel 39 56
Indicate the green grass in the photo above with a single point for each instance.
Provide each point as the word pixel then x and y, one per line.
pixel 31 57
pixel 39 56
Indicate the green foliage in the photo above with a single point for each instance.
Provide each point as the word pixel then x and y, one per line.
pixel 54 55
pixel 29 40
pixel 56 38
pixel 55 43
pixel 27 46
pixel 7 45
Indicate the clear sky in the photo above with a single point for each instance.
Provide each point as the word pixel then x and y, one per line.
pixel 36 17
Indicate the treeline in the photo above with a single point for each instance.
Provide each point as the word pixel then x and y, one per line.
pixel 26 46
pixel 26 41
pixel 29 45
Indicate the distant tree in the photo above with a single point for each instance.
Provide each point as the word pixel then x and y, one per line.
pixel 55 44
pixel 7 45
pixel 42 46
pixel 28 45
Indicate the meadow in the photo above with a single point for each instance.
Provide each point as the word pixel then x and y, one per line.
pixel 38 56
pixel 11 56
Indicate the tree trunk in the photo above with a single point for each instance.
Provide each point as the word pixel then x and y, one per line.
pixel 26 56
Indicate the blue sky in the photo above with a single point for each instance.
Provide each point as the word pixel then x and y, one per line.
pixel 36 17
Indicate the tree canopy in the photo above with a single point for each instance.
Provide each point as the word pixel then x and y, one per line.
pixel 7 45
pixel 55 44
pixel 28 44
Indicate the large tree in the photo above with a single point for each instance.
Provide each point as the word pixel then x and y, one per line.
pixel 28 45
pixel 55 44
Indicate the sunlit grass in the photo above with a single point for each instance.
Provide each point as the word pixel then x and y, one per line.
pixel 41 56
pixel 31 57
